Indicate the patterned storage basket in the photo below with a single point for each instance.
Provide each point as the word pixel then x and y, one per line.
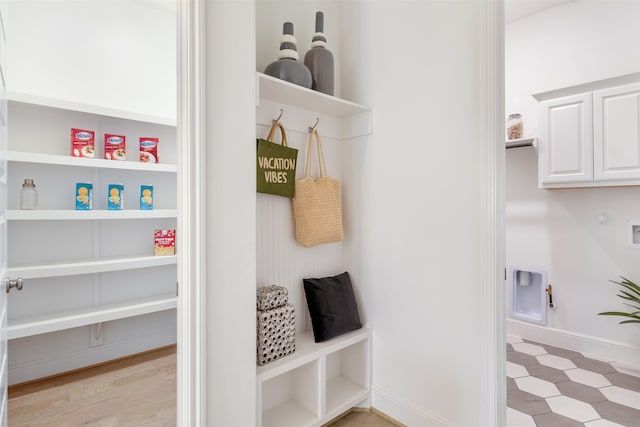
pixel 276 333
pixel 268 297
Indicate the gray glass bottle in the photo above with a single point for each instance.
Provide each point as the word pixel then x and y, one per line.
pixel 287 66
pixel 319 59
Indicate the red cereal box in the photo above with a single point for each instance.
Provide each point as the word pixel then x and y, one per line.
pixel 164 242
pixel 82 143
pixel 114 147
pixel 149 150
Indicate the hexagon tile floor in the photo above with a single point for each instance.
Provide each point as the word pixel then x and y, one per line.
pixel 549 386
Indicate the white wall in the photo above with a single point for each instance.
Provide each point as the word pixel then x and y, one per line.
pixel 230 214
pixel 557 230
pixel 114 53
pixel 417 181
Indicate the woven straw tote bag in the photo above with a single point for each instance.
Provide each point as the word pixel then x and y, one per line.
pixel 317 209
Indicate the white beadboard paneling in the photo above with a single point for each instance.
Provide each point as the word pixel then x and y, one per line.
pixel 280 260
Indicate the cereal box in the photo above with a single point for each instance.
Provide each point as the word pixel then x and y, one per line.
pixel 165 242
pixel 146 197
pixel 83 196
pixel 149 150
pixel 114 147
pixel 115 200
pixel 82 143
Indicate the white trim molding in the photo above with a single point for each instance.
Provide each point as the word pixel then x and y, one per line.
pixel 625 355
pixel 405 411
pixel 491 84
pixel 191 396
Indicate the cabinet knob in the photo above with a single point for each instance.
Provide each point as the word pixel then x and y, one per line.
pixel 13 284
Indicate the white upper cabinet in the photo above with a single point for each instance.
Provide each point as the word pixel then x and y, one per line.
pixel 590 134
pixel 617 133
pixel 566 140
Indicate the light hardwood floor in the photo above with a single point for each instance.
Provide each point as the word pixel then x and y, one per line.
pixel 362 419
pixel 137 391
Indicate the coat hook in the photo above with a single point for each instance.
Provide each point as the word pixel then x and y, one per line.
pixel 311 129
pixel 277 121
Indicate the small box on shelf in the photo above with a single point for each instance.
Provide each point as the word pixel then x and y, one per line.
pixel 164 242
pixel 115 147
pixel 84 199
pixel 116 197
pixel 82 143
pixel 146 197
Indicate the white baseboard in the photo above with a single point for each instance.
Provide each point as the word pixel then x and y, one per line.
pixel 598 348
pixel 41 368
pixel 404 411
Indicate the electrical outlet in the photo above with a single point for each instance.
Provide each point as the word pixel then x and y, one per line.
pixel 97 334
pixel 633 231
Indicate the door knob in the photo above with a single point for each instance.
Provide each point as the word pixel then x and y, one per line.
pixel 13 284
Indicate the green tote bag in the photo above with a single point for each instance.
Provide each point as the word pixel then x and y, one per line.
pixel 276 163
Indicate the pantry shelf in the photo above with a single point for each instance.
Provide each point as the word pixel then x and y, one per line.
pixel 20 328
pixel 61 104
pixel 62 214
pixel 522 142
pixel 89 266
pixel 338 118
pixel 281 91
pixel 54 159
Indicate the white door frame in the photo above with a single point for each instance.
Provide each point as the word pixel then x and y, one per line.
pixel 192 216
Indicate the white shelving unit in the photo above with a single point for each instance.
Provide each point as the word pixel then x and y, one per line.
pixel 340 119
pixel 522 142
pixel 315 384
pixel 85 268
pixel 64 214
pixel 89 266
pixel 25 327
pixel 53 159
pixel 319 381
pixel 62 104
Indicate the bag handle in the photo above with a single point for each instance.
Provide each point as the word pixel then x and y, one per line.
pixel 272 131
pixel 322 165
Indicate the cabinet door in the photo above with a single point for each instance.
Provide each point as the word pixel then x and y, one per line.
pixel 617 133
pixel 566 140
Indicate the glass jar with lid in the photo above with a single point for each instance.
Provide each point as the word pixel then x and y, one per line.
pixel 28 195
pixel 514 126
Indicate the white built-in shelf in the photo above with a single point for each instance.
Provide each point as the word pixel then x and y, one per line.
pixel 343 394
pixel 89 109
pixel 294 391
pixel 283 92
pixel 19 328
pixel 308 350
pixel 289 414
pixel 64 214
pixel 522 142
pixel 54 159
pixel 89 266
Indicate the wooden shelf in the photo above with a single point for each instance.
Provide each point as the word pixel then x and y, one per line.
pixel 89 109
pixel 307 350
pixel 19 328
pixel 53 159
pixel 89 266
pixel 62 214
